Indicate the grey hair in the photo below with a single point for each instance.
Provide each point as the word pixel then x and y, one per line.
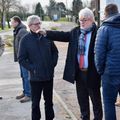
pixel 32 18
pixel 87 13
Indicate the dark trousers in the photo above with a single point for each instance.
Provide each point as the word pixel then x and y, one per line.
pixel 83 94
pixel 111 87
pixel 36 90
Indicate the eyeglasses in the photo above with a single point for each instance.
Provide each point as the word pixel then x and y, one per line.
pixel 84 20
pixel 39 23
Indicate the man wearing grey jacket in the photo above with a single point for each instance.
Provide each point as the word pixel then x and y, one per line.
pixel 19 32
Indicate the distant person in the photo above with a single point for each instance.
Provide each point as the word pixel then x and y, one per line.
pixel 80 65
pixel 107 57
pixel 19 32
pixel 2 46
pixel 39 55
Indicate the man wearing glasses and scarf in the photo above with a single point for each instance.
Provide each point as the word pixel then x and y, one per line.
pixel 80 66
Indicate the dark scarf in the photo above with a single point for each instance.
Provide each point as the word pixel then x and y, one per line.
pixel 81 41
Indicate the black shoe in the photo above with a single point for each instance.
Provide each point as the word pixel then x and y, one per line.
pixel 0 97
pixel 25 99
pixel 20 96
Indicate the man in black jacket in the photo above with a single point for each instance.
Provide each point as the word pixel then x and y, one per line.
pixel 19 32
pixel 39 55
pixel 80 66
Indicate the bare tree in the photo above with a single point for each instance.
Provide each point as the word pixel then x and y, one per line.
pixel 2 7
pixel 86 3
pixel 23 10
pixel 5 6
pixel 10 4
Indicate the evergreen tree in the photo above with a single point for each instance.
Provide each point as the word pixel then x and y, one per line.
pixel 61 8
pixel 39 11
pixel 76 7
pixel 51 7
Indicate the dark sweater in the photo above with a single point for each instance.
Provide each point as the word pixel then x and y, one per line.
pixel 39 55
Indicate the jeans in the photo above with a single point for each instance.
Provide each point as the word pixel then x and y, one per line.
pixel 25 81
pixel 37 87
pixel 111 87
pixel 83 94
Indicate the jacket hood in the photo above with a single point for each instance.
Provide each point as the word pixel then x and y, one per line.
pixel 20 26
pixel 113 21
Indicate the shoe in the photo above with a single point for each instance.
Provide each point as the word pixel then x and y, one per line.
pixel 20 96
pixel 118 103
pixel 25 99
pixel 0 98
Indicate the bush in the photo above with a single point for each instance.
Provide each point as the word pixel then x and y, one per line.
pixel 54 28
pixel 46 18
pixel 8 40
pixel 63 19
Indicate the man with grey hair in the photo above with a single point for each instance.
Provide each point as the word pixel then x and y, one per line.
pixel 39 55
pixel 80 66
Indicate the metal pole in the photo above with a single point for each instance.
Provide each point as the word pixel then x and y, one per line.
pixel 98 12
pixel 66 10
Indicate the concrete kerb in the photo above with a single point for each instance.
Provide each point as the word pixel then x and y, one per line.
pixel 64 106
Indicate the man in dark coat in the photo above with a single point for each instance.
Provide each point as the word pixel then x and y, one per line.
pixel 81 46
pixel 19 32
pixel 39 55
pixel 107 57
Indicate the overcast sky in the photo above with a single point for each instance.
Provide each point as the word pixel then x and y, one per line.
pixel 46 2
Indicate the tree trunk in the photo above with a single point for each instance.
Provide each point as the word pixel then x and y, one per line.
pixel 2 20
pixel 7 17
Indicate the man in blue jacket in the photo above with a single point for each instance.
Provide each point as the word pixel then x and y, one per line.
pixel 39 55
pixel 107 57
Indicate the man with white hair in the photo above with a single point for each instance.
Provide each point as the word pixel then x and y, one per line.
pixel 39 55
pixel 80 66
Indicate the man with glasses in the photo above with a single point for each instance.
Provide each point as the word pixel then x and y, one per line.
pixel 80 66
pixel 39 55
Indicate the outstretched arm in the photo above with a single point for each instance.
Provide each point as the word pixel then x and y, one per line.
pixel 58 36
